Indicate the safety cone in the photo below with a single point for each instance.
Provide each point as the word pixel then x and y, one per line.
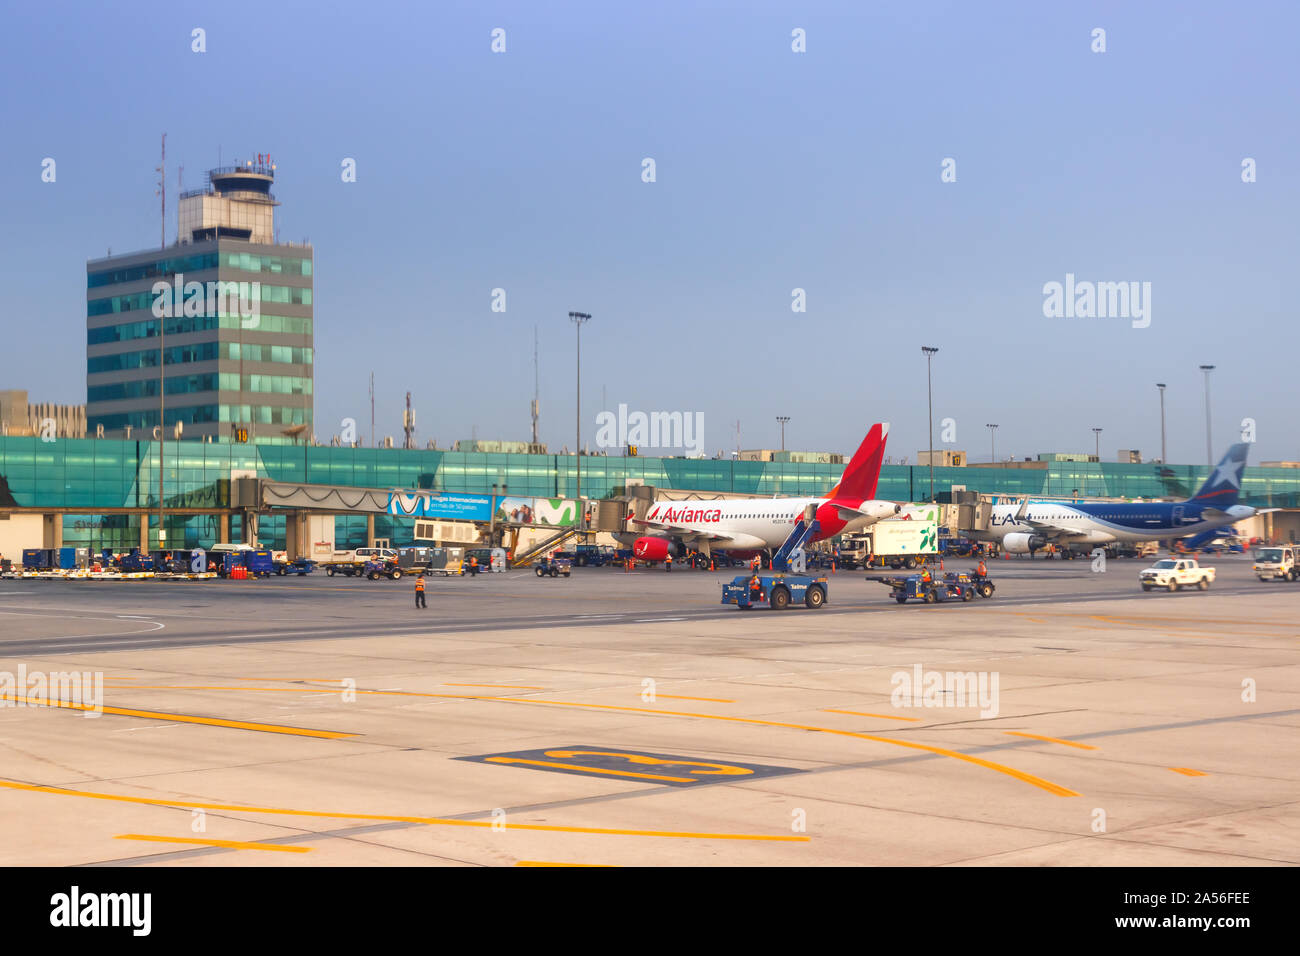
pixel 711 565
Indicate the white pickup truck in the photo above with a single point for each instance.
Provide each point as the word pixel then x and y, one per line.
pixel 1175 573
pixel 1277 564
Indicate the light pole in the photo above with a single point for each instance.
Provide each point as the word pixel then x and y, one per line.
pixel 577 318
pixel 1164 459
pixel 929 388
pixel 783 419
pixel 992 452
pixel 162 434
pixel 1209 445
pixel 1097 435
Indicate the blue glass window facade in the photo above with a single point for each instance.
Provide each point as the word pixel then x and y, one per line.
pixel 122 387
pixel 106 474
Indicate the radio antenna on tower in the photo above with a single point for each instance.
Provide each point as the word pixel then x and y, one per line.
pixel 536 392
pixel 162 191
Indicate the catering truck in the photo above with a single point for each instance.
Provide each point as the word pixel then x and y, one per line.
pixel 907 541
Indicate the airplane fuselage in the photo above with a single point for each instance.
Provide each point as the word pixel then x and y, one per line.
pixel 756 523
pixel 1103 522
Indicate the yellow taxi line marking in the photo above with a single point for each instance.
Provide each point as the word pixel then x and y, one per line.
pixel 715 700
pixel 1039 782
pixel 862 713
pixel 306 690
pixel 1051 740
pixel 549 863
pixel 393 818
pixel 515 686
pixel 186 718
pixel 228 844
pixel 1189 772
pixel 580 767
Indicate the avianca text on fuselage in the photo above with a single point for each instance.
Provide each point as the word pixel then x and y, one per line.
pixel 681 515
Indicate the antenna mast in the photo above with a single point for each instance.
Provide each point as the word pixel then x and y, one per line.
pixel 162 191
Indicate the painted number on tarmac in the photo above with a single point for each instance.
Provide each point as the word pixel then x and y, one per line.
pixel 673 770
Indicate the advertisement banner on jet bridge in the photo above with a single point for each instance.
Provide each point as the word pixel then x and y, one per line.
pixel 558 512
pixel 440 504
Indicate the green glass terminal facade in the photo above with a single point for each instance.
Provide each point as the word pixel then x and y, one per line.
pixel 85 476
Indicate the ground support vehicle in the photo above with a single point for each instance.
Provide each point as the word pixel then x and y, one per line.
pixel 349 569
pixel 254 562
pixel 1277 564
pixel 594 555
pixel 777 590
pixel 375 569
pixel 299 566
pixel 553 567
pixel 1174 573
pixel 780 587
pixel 353 562
pixel 949 587
pixel 983 586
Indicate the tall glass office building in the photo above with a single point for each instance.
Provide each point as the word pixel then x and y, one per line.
pixel 225 313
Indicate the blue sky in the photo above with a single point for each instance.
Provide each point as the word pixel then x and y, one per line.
pixel 775 170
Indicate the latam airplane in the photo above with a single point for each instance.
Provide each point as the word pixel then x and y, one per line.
pixel 1031 525
pixel 760 524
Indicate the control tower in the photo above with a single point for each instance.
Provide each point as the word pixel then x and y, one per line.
pixel 236 203
pixel 226 371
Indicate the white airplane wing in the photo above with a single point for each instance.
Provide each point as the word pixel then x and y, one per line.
pixel 1055 532
pixel 694 538
pixel 680 531
pixel 1050 531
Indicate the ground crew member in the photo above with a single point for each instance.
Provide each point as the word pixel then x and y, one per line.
pixel 419 592
pixel 925 576
pixel 668 562
pixel 755 589
pixel 981 570
pixel 473 564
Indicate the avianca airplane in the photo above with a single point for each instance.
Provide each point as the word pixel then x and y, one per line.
pixel 1030 525
pixel 761 524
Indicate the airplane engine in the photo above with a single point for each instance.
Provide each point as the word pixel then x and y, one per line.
pixel 651 549
pixel 1023 543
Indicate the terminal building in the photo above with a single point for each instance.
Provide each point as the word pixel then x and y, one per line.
pixel 104 493
pixel 235 308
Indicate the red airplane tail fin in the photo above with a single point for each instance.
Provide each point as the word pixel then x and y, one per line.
pixel 863 471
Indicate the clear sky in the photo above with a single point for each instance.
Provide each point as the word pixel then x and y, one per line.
pixel 775 170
